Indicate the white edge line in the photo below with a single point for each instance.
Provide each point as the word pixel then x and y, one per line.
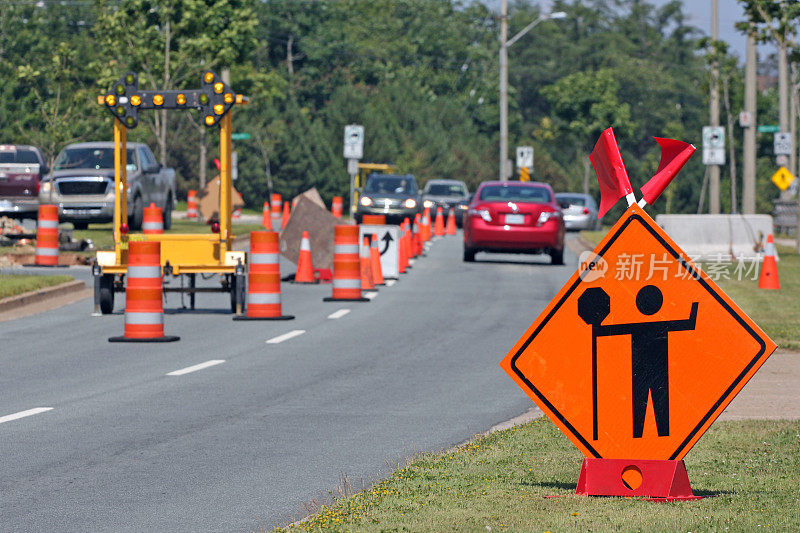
pixel 23 414
pixel 338 314
pixel 390 282
pixel 286 336
pixel 195 368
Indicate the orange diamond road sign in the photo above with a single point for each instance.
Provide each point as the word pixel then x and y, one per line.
pixel 640 351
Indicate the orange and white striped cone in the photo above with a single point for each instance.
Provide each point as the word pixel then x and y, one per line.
pixel 286 214
pixel 237 213
pixel 367 280
pixel 410 248
pixel 769 268
pixel 144 304
pixel 416 234
pixel 451 222
pixel 426 225
pixel 336 206
pixel 438 227
pixel 153 222
pixel 375 258
pixel 305 267
pixel 266 217
pixel 191 204
pixel 263 301
pixel 402 252
pixel 275 204
pixel 47 236
pixel 346 266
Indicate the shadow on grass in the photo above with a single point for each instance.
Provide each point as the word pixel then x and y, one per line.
pixel 550 485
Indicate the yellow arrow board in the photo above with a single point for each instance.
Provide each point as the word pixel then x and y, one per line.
pixel 782 178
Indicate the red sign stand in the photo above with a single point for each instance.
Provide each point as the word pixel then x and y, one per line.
pixel 658 480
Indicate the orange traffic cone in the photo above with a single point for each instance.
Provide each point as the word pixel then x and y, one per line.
pixel 336 206
pixel 451 222
pixel 417 234
pixel 264 279
pixel 426 225
pixel 305 267
pixel 237 213
pixel 275 207
pixel 153 222
pixel 367 281
pixel 286 214
pixel 402 252
pixel 769 268
pixel 266 219
pixel 438 227
pixel 191 204
pixel 346 266
pixel 375 257
pixel 411 251
pixel 144 304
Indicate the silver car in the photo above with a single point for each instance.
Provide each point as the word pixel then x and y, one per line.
pixel 579 210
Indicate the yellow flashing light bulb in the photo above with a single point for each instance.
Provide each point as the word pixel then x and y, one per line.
pixel 218 87
pixel 208 77
pixel 158 99
pixel 136 100
pixel 228 98
pixel 111 100
pixel 209 120
pixel 219 109
pixel 180 99
pixel 239 98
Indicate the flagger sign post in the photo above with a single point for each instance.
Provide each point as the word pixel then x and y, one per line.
pixel 636 363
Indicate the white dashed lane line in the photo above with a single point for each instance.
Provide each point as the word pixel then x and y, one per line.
pixel 195 368
pixel 286 336
pixel 338 314
pixel 23 414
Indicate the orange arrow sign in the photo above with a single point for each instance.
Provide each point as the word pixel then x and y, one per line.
pixel 640 351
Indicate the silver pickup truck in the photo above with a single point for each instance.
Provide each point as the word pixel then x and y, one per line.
pixel 82 184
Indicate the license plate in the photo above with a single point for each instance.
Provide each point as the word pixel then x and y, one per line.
pixel 515 219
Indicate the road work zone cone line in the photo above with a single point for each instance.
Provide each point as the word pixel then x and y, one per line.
pixel 305 267
pixel 367 280
pixel 153 222
pixel 286 214
pixel 263 301
pixel 144 304
pixel 769 268
pixel 346 266
pixel 451 222
pixel 375 258
pixel 47 236
pixel 402 253
pixel 426 225
pixel 336 206
pixel 191 204
pixel 266 217
pixel 438 227
pixel 275 208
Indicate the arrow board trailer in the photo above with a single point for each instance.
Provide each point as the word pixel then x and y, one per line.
pixel 387 245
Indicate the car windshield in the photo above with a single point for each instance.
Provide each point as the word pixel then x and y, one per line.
pixel 19 156
pixel 390 185
pixel 446 189
pixel 573 200
pixel 506 193
pixel 96 158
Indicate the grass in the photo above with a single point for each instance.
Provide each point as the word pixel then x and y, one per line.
pixel 499 483
pixel 14 284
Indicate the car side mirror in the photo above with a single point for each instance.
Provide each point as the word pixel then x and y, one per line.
pixel 44 170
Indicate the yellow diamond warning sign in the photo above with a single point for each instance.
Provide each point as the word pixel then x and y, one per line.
pixel 782 178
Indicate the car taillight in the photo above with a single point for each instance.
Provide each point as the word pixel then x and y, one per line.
pixel 38 186
pixel 544 216
pixel 483 213
pixel 585 210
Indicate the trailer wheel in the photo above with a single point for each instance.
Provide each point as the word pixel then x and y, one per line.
pixel 107 294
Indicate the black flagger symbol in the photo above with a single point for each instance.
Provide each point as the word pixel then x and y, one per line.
pixel 649 352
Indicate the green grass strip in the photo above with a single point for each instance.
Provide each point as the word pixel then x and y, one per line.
pixel 14 284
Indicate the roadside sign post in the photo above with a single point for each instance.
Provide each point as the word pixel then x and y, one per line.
pixel 524 162
pixel 637 354
pixel 353 152
pixel 713 145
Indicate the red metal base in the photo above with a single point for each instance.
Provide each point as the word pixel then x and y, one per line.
pixel 654 480
pixel 323 275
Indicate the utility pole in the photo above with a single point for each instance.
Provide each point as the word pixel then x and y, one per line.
pixel 503 90
pixel 749 162
pixel 713 184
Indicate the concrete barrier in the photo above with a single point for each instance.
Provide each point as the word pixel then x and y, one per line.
pixel 718 237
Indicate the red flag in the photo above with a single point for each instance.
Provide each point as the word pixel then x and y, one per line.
pixel 611 173
pixel 674 154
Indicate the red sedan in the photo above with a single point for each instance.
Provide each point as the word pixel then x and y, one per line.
pixel 514 217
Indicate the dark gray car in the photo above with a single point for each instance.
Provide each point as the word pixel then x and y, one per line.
pixel 396 196
pixel 447 194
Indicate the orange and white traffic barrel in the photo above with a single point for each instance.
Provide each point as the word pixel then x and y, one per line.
pixel 336 206
pixel 153 221
pixel 378 220
pixel 451 222
pixel 346 266
pixel 375 258
pixel 144 305
pixel 438 227
pixel 275 208
pixel 191 204
pixel 263 301
pixel 47 236
pixel 266 217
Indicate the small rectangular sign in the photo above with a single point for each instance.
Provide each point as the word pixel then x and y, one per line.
pixel 387 246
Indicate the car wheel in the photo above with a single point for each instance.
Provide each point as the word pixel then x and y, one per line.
pixel 469 255
pixel 80 225
pixel 107 294
pixel 137 216
pixel 557 256
pixel 168 214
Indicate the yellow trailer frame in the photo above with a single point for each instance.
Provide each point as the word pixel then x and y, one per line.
pixel 181 254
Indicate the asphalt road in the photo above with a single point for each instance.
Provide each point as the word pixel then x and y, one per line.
pixel 246 443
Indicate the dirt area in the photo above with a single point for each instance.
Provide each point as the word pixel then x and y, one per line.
pixel 27 258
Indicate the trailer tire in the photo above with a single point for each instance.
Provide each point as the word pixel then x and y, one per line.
pixel 107 294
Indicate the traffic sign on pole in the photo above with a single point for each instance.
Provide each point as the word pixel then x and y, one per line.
pixel 525 157
pixel 783 144
pixel 353 141
pixel 768 128
pixel 239 136
pixel 713 145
